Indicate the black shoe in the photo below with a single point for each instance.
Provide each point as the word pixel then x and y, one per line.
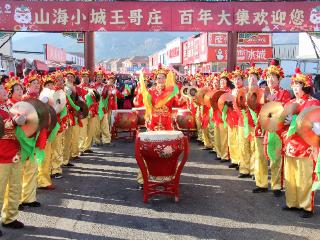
pixel 259 190
pixel 88 151
pixel 1 233
pixel 20 208
pixel 233 165
pixel 68 165
pixel 218 159
pixel 140 187
pixel 286 208
pixel 306 214
pixel 277 193
pixel 81 153
pixel 224 160
pixel 237 167
pixel 242 175
pixel 32 204
pixel 57 176
pixel 14 225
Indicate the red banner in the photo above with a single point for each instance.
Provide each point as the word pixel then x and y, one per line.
pixel 160 16
pixel 55 54
pixel 244 54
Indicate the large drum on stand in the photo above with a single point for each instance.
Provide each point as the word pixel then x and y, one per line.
pixel 141 116
pixel 124 120
pixel 174 115
pixel 185 120
pixel 158 154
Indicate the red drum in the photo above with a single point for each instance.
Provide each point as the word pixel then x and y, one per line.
pixel 157 154
pixel 185 120
pixel 124 119
pixel 140 113
pixel 174 113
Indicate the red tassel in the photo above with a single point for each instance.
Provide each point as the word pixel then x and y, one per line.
pixel 42 139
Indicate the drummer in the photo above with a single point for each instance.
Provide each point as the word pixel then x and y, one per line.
pixel 30 169
pixel 273 74
pixel 299 164
pixel 10 160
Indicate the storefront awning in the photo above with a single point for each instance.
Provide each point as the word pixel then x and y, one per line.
pixel 40 66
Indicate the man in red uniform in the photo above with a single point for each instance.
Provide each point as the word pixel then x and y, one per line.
pixel 274 73
pixel 10 161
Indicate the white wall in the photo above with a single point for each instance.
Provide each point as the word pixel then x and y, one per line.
pixel 306 49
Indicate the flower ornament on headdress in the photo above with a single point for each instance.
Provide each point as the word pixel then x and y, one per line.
pixel 100 71
pixel 70 71
pixel 198 74
pixel 47 78
pixel 305 79
pixel 33 75
pixel 12 81
pixel 160 70
pixel 238 72
pixel 253 70
pixel 84 72
pixel 225 74
pixel 273 69
pixel 57 74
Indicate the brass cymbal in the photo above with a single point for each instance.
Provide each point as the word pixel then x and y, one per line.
pixel 207 98
pixel 42 110
pixel 59 100
pixel 52 118
pixel 225 98
pixel 269 116
pixel 193 91
pixel 96 95
pixel 289 109
pixel 305 122
pixel 27 109
pixel 184 91
pixel 255 98
pixel 215 98
pixel 1 127
pixel 241 99
pixel 199 98
pixel 84 111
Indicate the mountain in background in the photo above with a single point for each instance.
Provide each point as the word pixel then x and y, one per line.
pixel 107 44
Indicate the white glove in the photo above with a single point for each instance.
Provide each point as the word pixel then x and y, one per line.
pixel 316 128
pixel 20 119
pixel 113 91
pixel 44 99
pixel 288 120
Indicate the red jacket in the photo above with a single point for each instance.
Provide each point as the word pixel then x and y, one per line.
pixel 9 144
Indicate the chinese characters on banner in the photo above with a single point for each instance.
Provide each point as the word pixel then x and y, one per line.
pixel 252 47
pixel 159 16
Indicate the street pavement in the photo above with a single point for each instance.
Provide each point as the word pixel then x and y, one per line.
pixel 99 199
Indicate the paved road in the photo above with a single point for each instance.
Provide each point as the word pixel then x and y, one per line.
pixel 98 199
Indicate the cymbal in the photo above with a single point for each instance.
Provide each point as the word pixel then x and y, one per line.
pixel 225 98
pixel 193 91
pixel 207 98
pixel 305 122
pixel 42 110
pixel 214 99
pixel 53 119
pixel 269 116
pixel 184 91
pixel 1 127
pixel 84 111
pixel 59 100
pixel 200 95
pixel 255 98
pixel 289 109
pixel 27 109
pixel 96 95
pixel 241 99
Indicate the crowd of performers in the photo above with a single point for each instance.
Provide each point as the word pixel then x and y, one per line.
pixel 234 132
pixel 28 163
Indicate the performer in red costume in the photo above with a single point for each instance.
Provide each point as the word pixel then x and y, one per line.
pixel 159 99
pixel 299 164
pixel 10 160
